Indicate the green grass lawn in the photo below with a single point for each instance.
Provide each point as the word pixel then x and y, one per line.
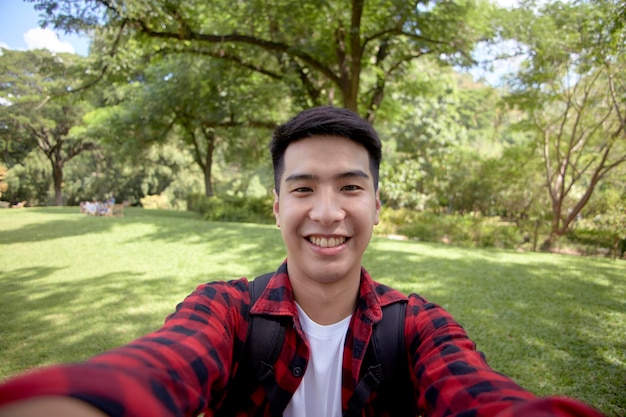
pixel 72 286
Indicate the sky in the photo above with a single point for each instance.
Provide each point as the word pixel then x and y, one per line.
pixel 20 30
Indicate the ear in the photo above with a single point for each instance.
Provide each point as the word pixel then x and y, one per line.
pixel 378 207
pixel 275 208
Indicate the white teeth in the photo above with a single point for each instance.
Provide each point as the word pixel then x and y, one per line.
pixel 327 243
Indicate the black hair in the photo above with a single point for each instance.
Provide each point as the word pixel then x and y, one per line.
pixel 325 121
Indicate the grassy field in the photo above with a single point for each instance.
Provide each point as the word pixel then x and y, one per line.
pixel 72 286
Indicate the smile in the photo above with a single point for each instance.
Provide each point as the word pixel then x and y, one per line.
pixel 327 242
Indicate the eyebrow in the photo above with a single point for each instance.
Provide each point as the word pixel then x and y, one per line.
pixel 311 177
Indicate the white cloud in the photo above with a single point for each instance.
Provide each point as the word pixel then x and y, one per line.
pixel 508 3
pixel 39 38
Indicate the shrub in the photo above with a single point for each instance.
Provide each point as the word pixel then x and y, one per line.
pixel 492 232
pixel 463 230
pixel 232 209
pixel 596 241
pixel 157 201
pixel 592 237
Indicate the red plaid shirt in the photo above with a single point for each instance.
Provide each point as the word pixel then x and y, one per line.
pixel 183 368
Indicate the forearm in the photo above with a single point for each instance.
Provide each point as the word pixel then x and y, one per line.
pixel 115 391
pixel 50 407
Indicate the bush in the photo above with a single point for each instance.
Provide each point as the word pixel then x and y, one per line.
pixel 232 209
pixel 157 201
pixel 596 241
pixel 591 237
pixel 492 232
pixel 463 230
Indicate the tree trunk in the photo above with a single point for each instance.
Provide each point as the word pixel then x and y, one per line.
pixel 535 235
pixel 546 245
pixel 208 187
pixel 57 178
pixel 207 166
pixel 350 100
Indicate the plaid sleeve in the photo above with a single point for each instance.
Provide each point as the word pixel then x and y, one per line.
pixel 180 369
pixel 452 378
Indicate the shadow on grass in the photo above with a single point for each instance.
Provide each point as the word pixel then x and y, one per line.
pixel 59 222
pixel 254 245
pixel 47 230
pixel 544 323
pixel 74 320
pixel 248 243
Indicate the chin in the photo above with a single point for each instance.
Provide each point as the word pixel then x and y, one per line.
pixel 333 273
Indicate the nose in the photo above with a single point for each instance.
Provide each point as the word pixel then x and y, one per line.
pixel 327 208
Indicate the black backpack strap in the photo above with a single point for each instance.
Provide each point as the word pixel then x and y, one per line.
pixel 264 341
pixel 385 368
pixel 266 337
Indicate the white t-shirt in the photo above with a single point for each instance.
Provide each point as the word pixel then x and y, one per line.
pixel 319 393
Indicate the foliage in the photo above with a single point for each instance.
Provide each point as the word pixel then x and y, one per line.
pixel 29 181
pixel 520 194
pixel 37 112
pixel 444 137
pixel 461 230
pixel 224 116
pixel 592 241
pixel 572 85
pixel 162 169
pixel 233 209
pixel 400 183
pixel 154 202
pixel 605 222
pixel 318 49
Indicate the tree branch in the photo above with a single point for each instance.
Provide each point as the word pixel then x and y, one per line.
pixel 238 39
pixel 222 55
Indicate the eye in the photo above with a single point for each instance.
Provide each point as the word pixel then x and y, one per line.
pixel 351 187
pixel 302 190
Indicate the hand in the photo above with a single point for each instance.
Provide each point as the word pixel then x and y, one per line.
pixel 50 407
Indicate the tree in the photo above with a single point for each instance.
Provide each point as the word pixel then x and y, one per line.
pixel 37 109
pixel 439 127
pixel 30 180
pixel 573 86
pixel 199 101
pixel 608 213
pixel 317 48
pixel 163 169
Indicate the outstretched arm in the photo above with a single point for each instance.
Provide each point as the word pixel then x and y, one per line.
pixel 452 378
pixel 180 369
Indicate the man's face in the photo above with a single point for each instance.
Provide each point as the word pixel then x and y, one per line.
pixel 326 209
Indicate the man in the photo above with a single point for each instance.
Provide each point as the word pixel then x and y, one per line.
pixel 326 203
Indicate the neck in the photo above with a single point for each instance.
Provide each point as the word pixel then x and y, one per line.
pixel 326 303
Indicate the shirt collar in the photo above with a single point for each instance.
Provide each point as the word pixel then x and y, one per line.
pixel 277 298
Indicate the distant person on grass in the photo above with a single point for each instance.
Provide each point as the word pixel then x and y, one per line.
pixel 326 204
